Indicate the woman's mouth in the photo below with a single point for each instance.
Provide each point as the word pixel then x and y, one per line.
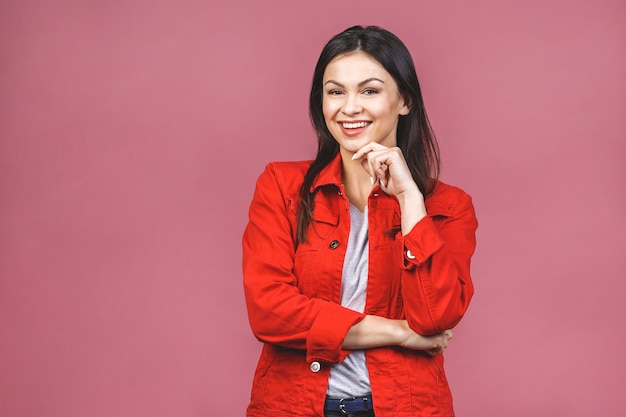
pixel 354 125
pixel 353 128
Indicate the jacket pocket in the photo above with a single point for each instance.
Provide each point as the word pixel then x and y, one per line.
pixel 434 394
pixel 273 387
pixel 311 261
pixel 324 222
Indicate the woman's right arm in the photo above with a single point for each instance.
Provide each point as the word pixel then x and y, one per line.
pixel 375 331
pixel 278 312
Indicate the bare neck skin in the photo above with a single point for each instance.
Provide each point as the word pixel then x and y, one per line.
pixel 356 180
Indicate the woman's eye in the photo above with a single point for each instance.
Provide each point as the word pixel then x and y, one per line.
pixel 334 92
pixel 370 91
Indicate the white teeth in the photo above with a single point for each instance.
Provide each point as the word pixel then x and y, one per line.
pixel 354 125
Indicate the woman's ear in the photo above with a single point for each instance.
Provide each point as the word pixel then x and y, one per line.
pixel 406 107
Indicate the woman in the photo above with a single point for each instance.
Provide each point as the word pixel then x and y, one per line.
pixel 356 265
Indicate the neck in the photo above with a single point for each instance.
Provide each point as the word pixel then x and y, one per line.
pixel 356 181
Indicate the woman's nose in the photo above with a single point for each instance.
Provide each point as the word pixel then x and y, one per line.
pixel 351 106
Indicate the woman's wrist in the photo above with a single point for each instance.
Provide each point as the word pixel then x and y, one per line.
pixel 412 209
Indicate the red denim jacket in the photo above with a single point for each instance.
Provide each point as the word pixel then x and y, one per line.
pixel 293 292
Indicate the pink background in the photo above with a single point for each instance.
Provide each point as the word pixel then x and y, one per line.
pixel 131 134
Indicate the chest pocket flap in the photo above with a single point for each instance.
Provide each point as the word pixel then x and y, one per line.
pixel 438 209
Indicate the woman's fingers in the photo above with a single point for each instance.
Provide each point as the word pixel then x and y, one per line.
pixel 365 163
pixel 441 344
pixel 372 146
pixel 387 167
pixel 376 159
pixel 375 167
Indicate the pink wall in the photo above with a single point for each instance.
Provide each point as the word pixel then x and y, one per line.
pixel 131 134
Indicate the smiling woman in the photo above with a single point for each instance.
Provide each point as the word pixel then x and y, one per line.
pixel 361 102
pixel 356 264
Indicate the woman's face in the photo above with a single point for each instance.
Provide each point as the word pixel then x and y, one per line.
pixel 361 102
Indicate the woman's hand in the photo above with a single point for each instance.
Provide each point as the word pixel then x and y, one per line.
pixel 388 167
pixel 432 345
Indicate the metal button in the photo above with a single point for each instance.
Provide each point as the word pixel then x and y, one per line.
pixel 334 244
pixel 410 255
pixel 315 366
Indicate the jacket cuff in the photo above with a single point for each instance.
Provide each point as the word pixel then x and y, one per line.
pixel 420 243
pixel 325 339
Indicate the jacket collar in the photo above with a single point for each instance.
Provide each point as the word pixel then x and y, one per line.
pixel 329 175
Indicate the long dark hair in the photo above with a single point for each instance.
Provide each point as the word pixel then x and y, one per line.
pixel 414 134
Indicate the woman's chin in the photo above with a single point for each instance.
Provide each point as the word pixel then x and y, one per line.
pixel 353 145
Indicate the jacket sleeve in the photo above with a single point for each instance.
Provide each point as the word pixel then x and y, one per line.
pixel 278 312
pixel 436 282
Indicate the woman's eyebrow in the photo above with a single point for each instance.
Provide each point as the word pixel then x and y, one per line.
pixel 334 82
pixel 361 84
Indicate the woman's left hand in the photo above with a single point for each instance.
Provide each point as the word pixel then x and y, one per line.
pixel 388 167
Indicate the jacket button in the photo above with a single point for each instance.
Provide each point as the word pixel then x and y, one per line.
pixel 315 366
pixel 410 255
pixel 334 244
